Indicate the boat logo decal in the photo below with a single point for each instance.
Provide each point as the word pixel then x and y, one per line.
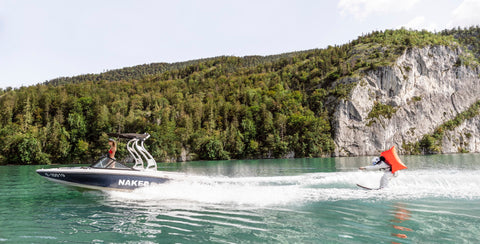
pixel 55 175
pixel 123 182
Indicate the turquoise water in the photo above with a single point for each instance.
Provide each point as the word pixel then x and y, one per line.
pixel 437 200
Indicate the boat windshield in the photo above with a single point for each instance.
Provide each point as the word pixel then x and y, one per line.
pixel 108 163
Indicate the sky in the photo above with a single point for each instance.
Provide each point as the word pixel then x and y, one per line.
pixel 42 40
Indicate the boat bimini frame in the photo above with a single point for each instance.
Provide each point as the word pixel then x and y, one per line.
pixel 137 150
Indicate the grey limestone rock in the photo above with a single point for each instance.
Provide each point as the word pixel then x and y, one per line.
pixel 426 87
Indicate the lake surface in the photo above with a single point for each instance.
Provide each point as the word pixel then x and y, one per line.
pixel 436 200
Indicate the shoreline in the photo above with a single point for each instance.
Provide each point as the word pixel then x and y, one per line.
pixel 248 159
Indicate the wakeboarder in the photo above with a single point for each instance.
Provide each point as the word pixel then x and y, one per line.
pixel 389 162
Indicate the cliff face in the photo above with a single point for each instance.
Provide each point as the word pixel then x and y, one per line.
pixel 465 138
pixel 424 88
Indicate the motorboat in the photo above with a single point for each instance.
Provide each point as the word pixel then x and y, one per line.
pixel 109 174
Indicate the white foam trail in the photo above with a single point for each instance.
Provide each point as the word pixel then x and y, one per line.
pixel 299 189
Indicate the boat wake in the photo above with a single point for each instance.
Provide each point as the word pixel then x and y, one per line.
pixel 305 188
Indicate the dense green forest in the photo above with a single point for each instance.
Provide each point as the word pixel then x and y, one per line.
pixel 215 108
pixel 468 37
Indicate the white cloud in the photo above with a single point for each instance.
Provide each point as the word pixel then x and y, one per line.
pixel 420 23
pixel 466 14
pixel 361 9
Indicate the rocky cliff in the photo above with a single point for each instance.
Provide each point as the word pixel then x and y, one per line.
pixel 464 138
pixel 400 103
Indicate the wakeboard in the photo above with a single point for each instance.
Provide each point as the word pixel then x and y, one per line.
pixel 367 188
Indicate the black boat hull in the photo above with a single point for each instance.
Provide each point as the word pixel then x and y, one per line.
pixel 103 179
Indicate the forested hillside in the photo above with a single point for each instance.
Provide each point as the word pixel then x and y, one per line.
pixel 468 37
pixel 139 71
pixel 216 108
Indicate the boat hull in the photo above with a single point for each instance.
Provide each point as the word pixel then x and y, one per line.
pixel 103 179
